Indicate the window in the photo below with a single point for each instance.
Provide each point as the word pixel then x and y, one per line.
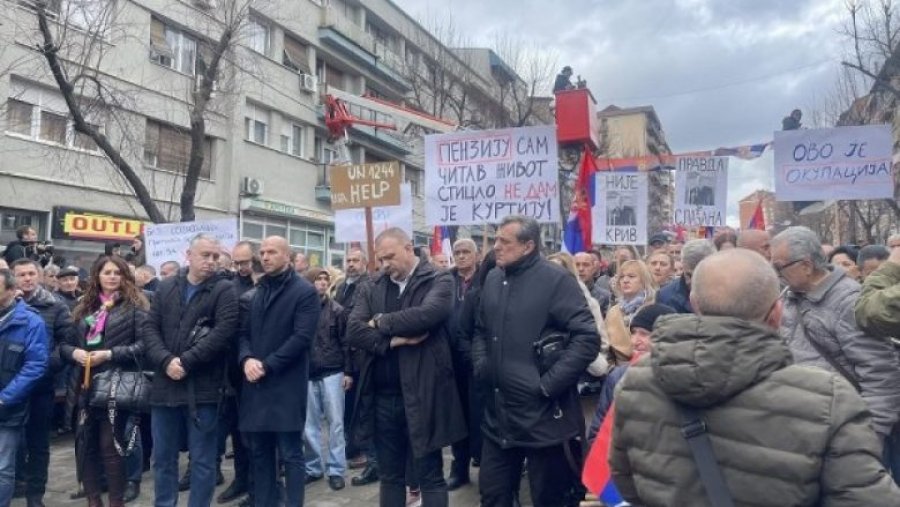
pixel 256 124
pixel 295 55
pixel 169 148
pixel 414 177
pixel 87 15
pixel 292 139
pixel 259 36
pixel 44 123
pixel 172 48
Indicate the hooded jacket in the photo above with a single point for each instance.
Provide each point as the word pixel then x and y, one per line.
pixel 878 306
pixel 782 434
pixel 24 360
pixel 828 318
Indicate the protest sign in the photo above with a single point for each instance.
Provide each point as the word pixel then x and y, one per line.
pixel 365 185
pixel 850 163
pixel 350 224
pixel 701 191
pixel 481 177
pixel 620 215
pixel 170 242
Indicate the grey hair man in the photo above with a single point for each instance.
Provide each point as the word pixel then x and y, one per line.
pixel 678 293
pixel 169 269
pixel 820 327
pixel 831 457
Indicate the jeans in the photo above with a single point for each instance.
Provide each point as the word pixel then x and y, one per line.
pixel 134 462
pixel 551 478
pixel 170 425
pixel 892 454
pixel 393 447
pixel 325 399
pixel 262 458
pixel 9 442
pixel 34 456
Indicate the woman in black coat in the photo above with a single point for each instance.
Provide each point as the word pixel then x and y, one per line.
pixel 110 320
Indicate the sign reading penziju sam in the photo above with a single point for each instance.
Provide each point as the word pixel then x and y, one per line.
pixel 365 185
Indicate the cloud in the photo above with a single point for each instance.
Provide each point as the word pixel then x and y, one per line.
pixel 718 73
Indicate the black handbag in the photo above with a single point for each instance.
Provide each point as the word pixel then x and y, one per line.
pixel 549 348
pixel 130 390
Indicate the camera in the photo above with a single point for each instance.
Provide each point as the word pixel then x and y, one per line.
pixel 40 251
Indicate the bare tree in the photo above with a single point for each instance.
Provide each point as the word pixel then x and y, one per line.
pixel 72 43
pixel 533 67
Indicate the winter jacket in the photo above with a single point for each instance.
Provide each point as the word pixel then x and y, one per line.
pixel 607 394
pixel 828 318
pixel 124 335
pixel 278 331
pixel 677 295
pixel 23 361
pixel 58 320
pixel 70 299
pixel 330 353
pixel 519 303
pixel 782 434
pixel 433 409
pixel 878 306
pixel 600 290
pixel 15 250
pixel 169 334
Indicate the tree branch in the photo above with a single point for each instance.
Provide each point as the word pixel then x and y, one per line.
pixel 878 81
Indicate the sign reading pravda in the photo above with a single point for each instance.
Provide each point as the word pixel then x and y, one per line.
pixel 701 191
pixel 365 185
pixel 479 177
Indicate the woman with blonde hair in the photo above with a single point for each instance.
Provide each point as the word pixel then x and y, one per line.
pixel 635 288
pixel 600 365
pixel 110 321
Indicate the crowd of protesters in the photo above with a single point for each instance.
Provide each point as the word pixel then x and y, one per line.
pixel 782 349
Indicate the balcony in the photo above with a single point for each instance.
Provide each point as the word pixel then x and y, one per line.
pixel 341 34
pixel 323 186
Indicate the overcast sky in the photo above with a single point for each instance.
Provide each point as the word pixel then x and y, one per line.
pixel 720 73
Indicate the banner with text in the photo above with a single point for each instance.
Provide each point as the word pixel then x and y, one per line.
pixel 480 177
pixel 170 242
pixel 350 224
pixel 620 215
pixel 701 191
pixel 851 163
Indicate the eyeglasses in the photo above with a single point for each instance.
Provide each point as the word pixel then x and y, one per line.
pixel 780 269
pixel 775 303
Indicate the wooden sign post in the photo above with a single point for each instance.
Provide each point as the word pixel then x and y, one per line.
pixel 366 186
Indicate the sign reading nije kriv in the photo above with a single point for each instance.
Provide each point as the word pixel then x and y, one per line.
pixel 170 242
pixel 701 191
pixel 484 176
pixel 620 215
pixel 850 163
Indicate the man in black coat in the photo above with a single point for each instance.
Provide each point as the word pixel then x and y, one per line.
pixel 193 325
pixel 532 411
pixel 408 398
pixel 274 356
pixel 35 456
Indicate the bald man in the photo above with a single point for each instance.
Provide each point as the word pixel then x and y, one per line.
pixel 756 240
pixel 274 342
pixel 586 266
pixel 743 391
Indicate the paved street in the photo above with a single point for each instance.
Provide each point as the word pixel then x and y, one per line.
pixel 62 483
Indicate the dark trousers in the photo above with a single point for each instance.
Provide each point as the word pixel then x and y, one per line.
pixel 551 478
pixel 101 457
pixel 262 455
pixel 228 426
pixel 469 447
pixel 34 456
pixel 393 447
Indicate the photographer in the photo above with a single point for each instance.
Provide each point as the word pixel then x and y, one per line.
pixel 28 246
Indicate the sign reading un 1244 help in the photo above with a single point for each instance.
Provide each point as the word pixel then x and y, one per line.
pixel 480 177
pixel 365 185
pixel 850 163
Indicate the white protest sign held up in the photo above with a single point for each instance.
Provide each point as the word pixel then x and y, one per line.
pixel 620 214
pixel 701 191
pixel 850 163
pixel 170 242
pixel 350 224
pixel 480 177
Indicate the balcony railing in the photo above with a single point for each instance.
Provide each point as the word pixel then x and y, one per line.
pixel 357 34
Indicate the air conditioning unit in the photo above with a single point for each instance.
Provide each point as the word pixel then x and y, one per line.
pixel 251 186
pixel 308 83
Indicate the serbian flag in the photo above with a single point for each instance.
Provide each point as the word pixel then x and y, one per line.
pixel 441 242
pixel 577 234
pixel 596 475
pixel 758 220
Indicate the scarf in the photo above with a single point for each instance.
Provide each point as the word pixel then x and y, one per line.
pixel 630 306
pixel 97 320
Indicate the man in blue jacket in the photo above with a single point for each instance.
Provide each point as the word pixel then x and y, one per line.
pixel 274 356
pixel 677 293
pixel 23 347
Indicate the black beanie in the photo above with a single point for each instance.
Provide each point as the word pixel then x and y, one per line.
pixel 646 317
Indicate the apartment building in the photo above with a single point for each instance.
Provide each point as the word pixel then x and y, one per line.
pixel 266 147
